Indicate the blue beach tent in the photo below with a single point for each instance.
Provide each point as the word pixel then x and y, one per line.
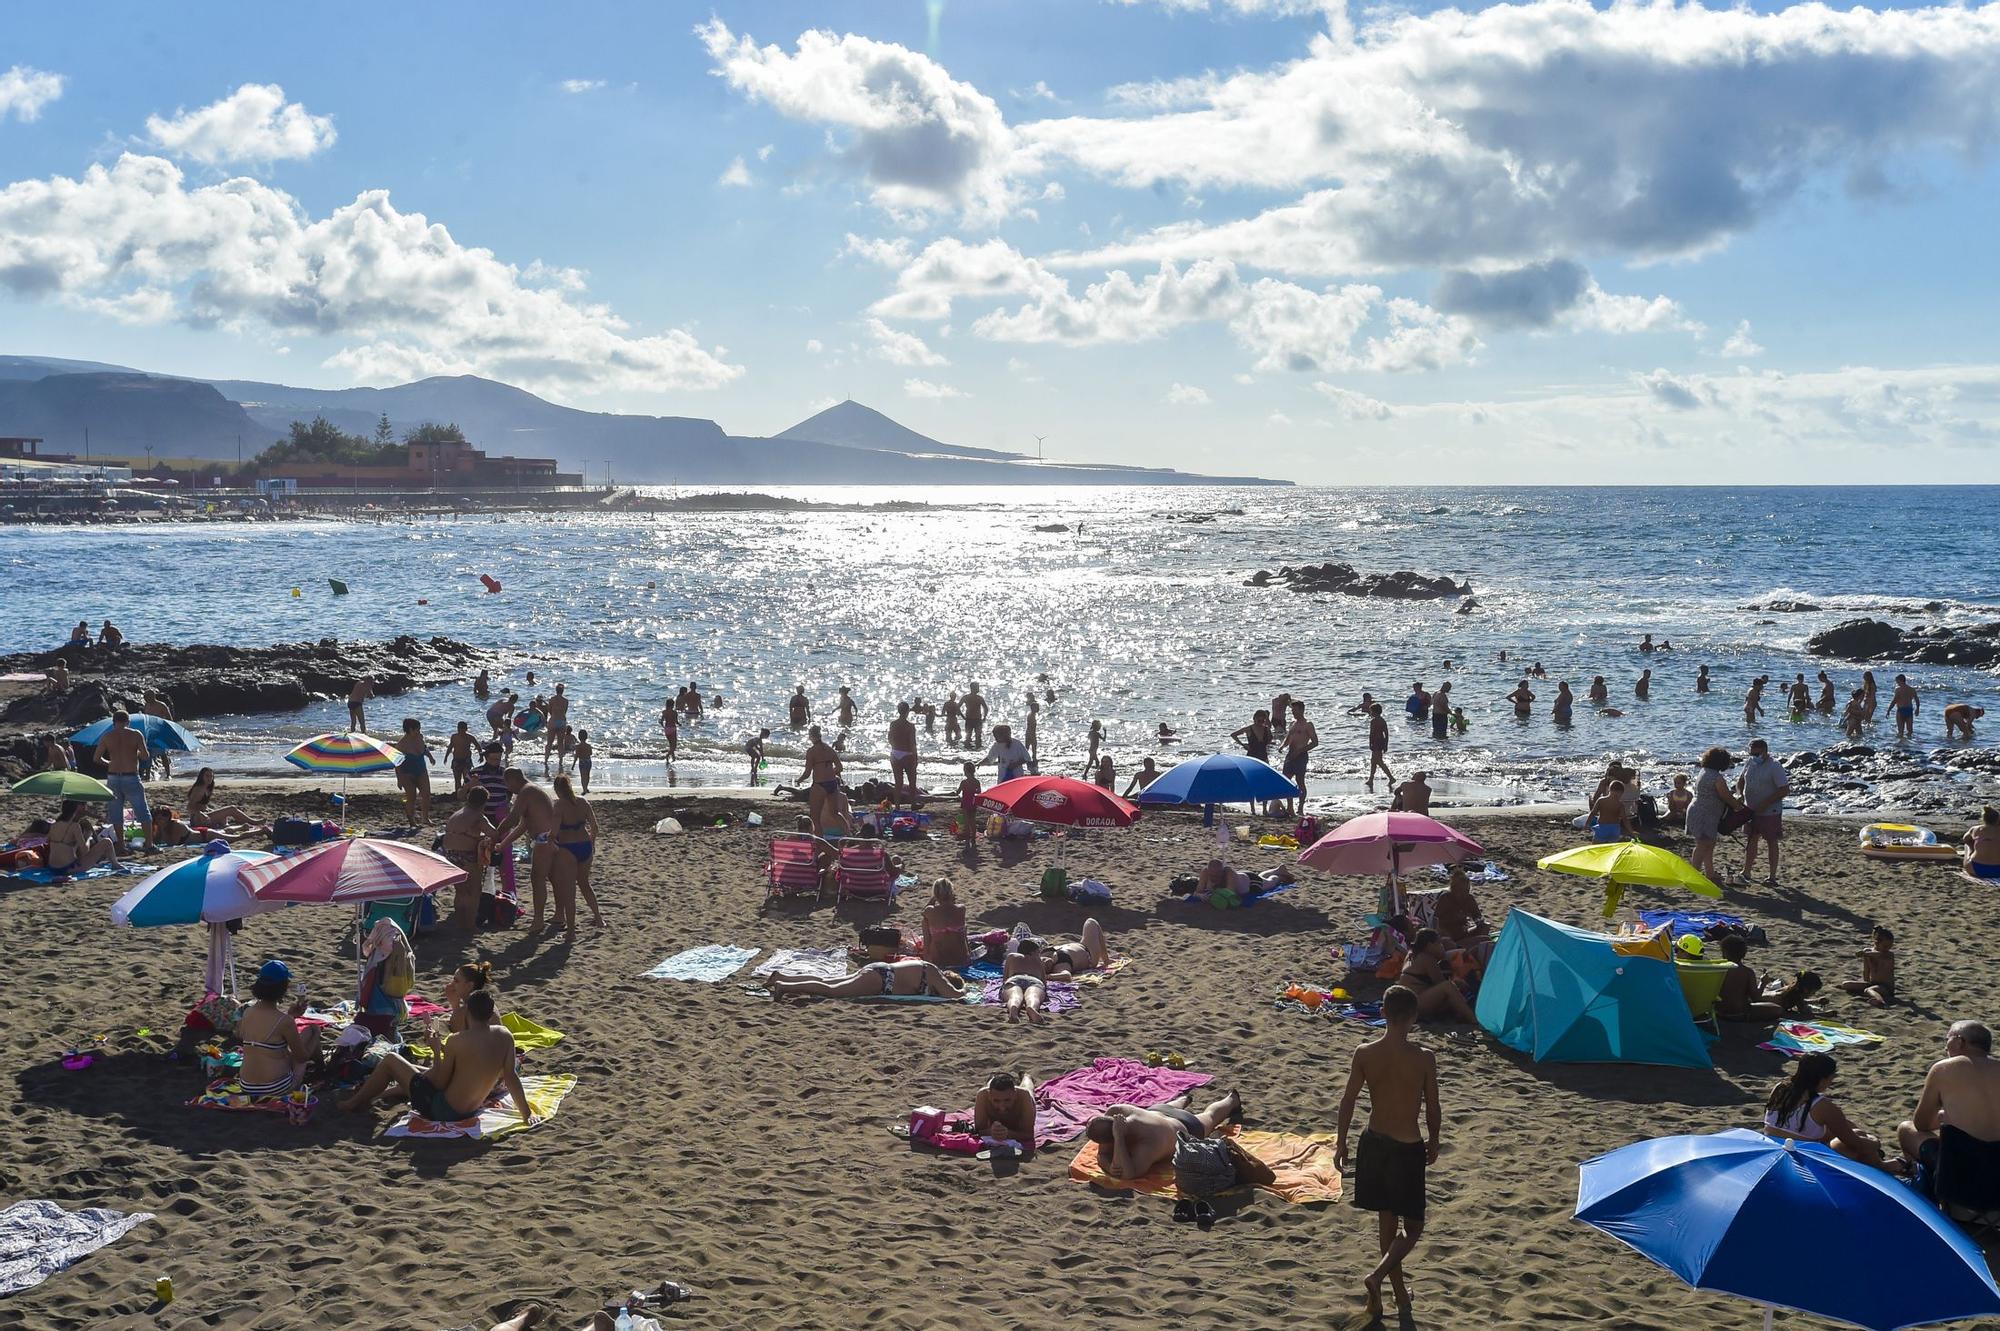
pixel 1563 995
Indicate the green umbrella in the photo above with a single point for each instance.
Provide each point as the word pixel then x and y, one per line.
pixel 66 785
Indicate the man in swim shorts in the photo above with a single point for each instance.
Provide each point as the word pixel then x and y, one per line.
pixel 1390 1161
pixel 1958 719
pixel 1907 705
pixel 357 703
pixel 1299 742
pixel 1133 1142
pixel 974 707
pixel 533 813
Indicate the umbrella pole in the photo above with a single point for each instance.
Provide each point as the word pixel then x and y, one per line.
pixel 1208 815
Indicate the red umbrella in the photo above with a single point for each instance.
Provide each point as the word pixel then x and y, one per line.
pixel 1061 800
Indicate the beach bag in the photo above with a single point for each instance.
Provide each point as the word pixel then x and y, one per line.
pixel 1184 885
pixel 293 832
pixel 1055 884
pixel 1734 821
pixel 1307 832
pixel 926 1122
pixel 883 935
pixel 1090 892
pixel 1204 1167
pixel 1224 898
pixel 498 911
pixel 399 972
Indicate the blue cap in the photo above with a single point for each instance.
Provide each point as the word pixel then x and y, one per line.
pixel 275 970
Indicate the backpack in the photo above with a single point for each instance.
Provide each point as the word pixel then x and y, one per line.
pixel 293 832
pixel 1055 884
pixel 1204 1167
pixel 399 972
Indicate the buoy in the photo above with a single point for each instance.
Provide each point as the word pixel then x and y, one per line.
pixel 423 600
pixel 295 591
pixel 492 583
pixel 339 587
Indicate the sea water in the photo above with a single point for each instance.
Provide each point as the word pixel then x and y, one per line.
pixel 1137 615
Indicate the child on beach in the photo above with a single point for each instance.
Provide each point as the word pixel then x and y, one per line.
pixel 1878 969
pixel 1459 725
pixel 755 751
pixel 459 747
pixel 1678 800
pixel 670 726
pixel 583 752
pixel 968 801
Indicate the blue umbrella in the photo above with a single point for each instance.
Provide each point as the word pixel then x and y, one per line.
pixel 1789 1224
pixel 161 735
pixel 1220 778
pixel 203 890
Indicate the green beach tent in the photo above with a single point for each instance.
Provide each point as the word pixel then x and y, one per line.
pixel 1563 995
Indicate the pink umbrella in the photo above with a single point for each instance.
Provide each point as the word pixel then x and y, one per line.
pixel 1387 843
pixel 352 871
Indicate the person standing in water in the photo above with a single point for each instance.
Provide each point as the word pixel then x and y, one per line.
pixel 1441 711
pixel 1825 705
pixel 1523 698
pixel 1701 680
pixel 1868 695
pixel 1565 703
pixel 670 727
pixel 1907 705
pixel 1644 688
pixel 1029 734
pixel 1392 1156
pixel 1753 702
pixel 1378 747
pixel 844 709
pixel 974 706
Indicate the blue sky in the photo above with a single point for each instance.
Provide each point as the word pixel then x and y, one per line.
pixel 1544 242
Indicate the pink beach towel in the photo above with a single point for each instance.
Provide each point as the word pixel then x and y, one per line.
pixel 1064 1105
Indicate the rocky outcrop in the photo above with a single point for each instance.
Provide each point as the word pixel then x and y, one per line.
pixel 1878 640
pixel 1401 585
pixel 228 681
pixel 1784 607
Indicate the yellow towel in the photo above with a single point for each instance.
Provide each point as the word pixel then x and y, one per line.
pixel 1303 1163
pixel 530 1034
pixel 497 1118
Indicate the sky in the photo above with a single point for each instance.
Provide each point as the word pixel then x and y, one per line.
pixel 1547 242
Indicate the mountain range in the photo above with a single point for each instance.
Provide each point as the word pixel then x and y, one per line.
pixel 86 406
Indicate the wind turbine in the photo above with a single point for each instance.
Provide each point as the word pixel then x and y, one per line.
pixel 1038 446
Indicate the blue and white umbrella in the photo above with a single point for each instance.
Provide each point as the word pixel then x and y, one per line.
pixel 1220 778
pixel 205 890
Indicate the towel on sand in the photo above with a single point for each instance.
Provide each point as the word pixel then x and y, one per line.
pixel 1063 1105
pixel 228 1093
pixel 101 871
pixel 1792 1038
pixel 1474 873
pixel 806 963
pixel 1104 972
pixel 528 1037
pixel 1688 921
pixel 38 1239
pixel 708 964
pixel 1303 1163
pixel 420 1007
pixel 1061 996
pixel 498 1118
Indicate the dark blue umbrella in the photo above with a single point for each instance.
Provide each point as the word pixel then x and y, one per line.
pixel 1220 778
pixel 160 734
pixel 1789 1224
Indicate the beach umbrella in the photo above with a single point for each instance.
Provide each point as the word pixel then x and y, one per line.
pixel 1388 844
pixel 352 871
pixel 205 890
pixel 1790 1225
pixel 1220 778
pixel 64 785
pixel 160 734
pixel 1623 864
pixel 346 753
pixel 1062 801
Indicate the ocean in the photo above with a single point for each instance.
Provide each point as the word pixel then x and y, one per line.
pixel 1137 615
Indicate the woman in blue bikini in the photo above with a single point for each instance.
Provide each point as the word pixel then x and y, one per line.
pixel 1982 846
pixel 576 838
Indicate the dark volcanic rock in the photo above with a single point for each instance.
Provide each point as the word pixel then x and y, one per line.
pixel 1877 640
pixel 1783 607
pixel 1401 585
pixel 227 681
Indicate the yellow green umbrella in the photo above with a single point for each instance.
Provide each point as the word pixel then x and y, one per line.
pixel 1623 864
pixel 64 784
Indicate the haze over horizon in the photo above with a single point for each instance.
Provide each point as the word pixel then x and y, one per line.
pixel 1545 242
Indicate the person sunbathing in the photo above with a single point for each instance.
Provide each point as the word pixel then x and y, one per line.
pixel 169 830
pixel 1132 1142
pixel 275 1050
pixel 878 979
pixel 76 845
pixel 944 927
pixel 1005 1110
pixel 1460 923
pixel 1024 981
pixel 1429 974
pixel 456 1087
pixel 202 810
pixel 1742 998
pixel 1093 953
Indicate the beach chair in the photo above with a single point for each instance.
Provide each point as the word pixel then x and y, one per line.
pixel 1967 1179
pixel 403 910
pixel 793 867
pixel 863 872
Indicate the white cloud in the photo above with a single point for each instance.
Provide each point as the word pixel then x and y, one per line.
pixel 892 253
pixel 922 140
pixel 1353 406
pixel 1279 419
pixel 406 296
pixel 948 269
pixel 764 153
pixel 24 91
pixel 1741 345
pixel 898 347
pixel 253 125
pixel 1187 395
pixel 814 346
pixel 925 388
pixel 1673 390
pixel 1039 91
pixel 576 86
pixel 736 175
pixel 1274 8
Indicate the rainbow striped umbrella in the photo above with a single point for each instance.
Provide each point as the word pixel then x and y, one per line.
pixel 352 871
pixel 344 752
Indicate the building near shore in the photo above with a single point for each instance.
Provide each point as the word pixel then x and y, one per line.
pixel 437 465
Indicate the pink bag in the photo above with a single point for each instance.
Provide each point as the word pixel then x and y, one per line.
pixel 926 1122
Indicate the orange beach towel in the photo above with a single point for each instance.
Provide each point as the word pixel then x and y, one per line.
pixel 1303 1163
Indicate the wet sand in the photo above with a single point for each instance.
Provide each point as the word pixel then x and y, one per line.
pixel 738 1145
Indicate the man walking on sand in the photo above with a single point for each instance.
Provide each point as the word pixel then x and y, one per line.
pixel 357 700
pixel 1390 1161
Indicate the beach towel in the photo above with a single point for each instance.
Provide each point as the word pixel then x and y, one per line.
pixel 1792 1038
pixel 1061 996
pixel 1096 976
pixel 227 1093
pixel 1064 1104
pixel 338 1014
pixel 100 871
pixel 806 963
pixel 1365 1014
pixel 1303 1163
pixel 981 970
pixel 422 1008
pixel 530 1035
pixel 708 964
pixel 39 1238
pixel 497 1118
pixel 1688 921
pixel 1481 873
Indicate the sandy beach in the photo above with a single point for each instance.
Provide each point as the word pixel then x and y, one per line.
pixel 740 1146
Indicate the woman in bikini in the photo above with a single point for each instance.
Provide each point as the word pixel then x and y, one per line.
pixel 202 810
pixel 275 1050
pixel 944 927
pixel 413 773
pixel 1982 846
pixel 467 980
pixel 878 979
pixel 1024 982
pixel 1092 954
pixel 74 846
pixel 576 837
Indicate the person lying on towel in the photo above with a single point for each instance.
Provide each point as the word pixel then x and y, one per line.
pixel 1133 1142
pixel 456 1087
pixel 878 979
pixel 1005 1110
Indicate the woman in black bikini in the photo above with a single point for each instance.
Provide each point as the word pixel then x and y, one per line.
pixel 1025 982
pixel 275 1050
pixel 1093 953
pixel 878 979
pixel 74 845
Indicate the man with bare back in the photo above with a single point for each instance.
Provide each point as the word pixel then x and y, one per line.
pixel 531 811
pixel 1133 1142
pixel 1389 1163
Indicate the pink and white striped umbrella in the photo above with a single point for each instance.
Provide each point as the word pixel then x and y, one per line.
pixel 1387 843
pixel 352 872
